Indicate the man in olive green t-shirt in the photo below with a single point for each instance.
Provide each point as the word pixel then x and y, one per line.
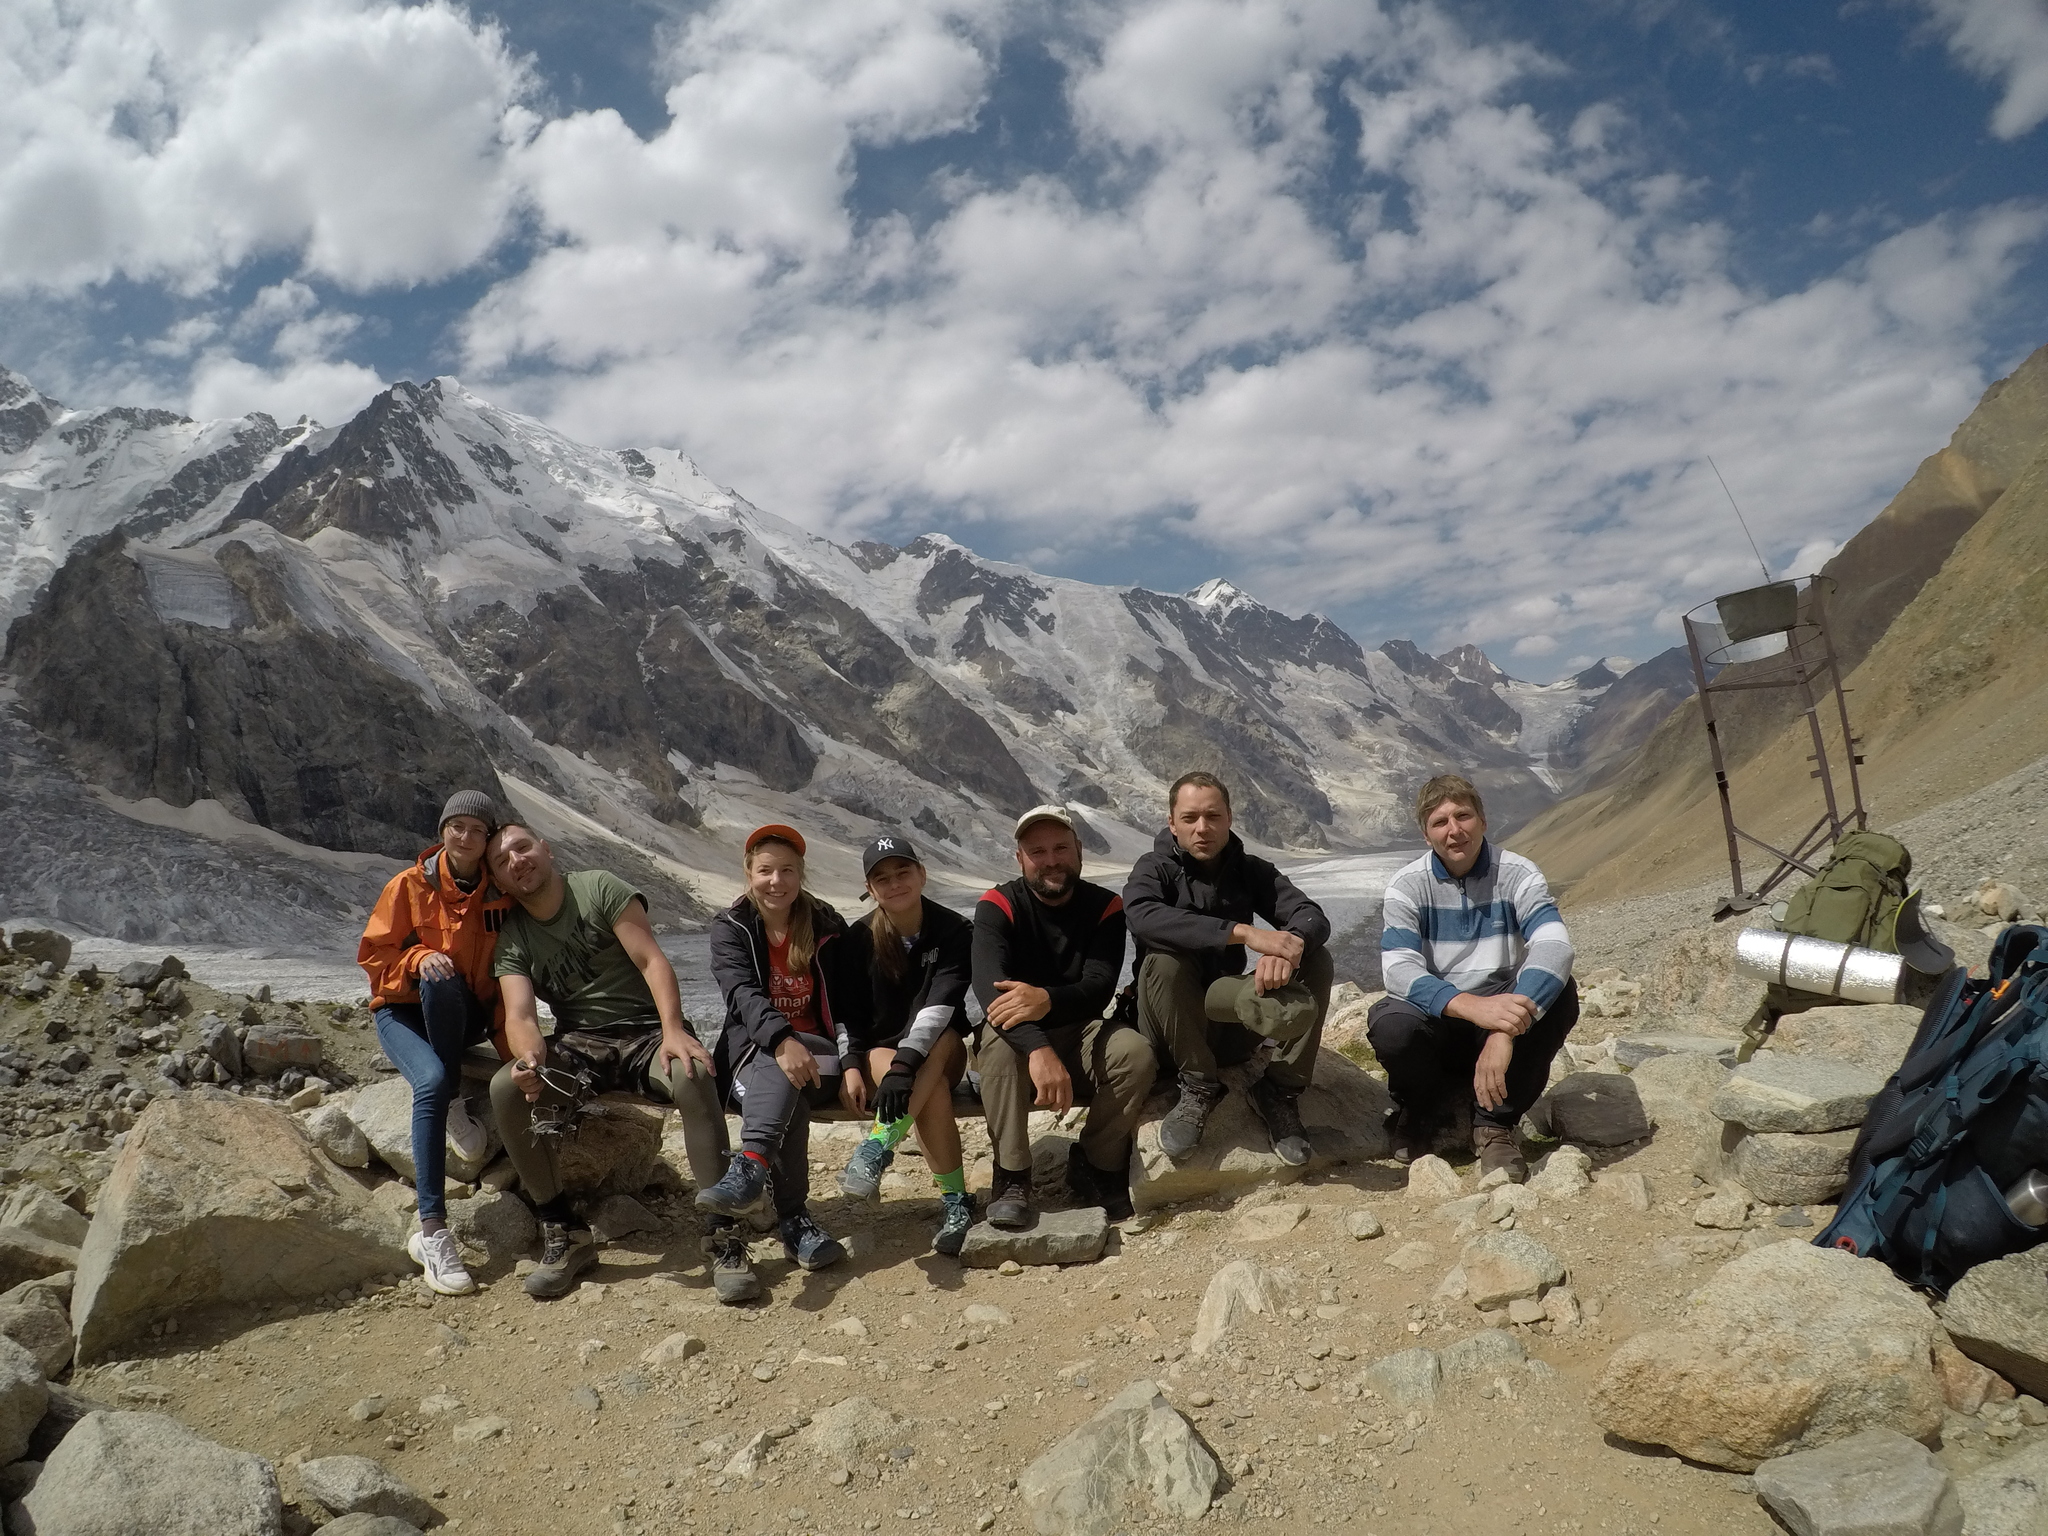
pixel 582 944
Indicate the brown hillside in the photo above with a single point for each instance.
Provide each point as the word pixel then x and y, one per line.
pixel 1951 692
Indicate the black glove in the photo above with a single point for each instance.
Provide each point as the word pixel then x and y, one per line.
pixel 892 1094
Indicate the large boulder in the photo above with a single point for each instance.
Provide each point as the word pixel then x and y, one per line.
pixel 1797 1094
pixel 216 1198
pixel 1137 1451
pixel 117 1474
pixel 1676 1089
pixel 1866 1485
pixel 1997 1314
pixel 614 1151
pixel 1787 1348
pixel 495 1223
pixel 1873 1036
pixel 41 945
pixel 1784 1169
pixel 1344 1111
pixel 383 1113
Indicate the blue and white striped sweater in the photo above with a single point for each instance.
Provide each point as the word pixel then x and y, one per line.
pixel 1495 931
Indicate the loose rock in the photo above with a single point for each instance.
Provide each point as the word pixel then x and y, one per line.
pixel 1483 1354
pixel 1262 1223
pixel 2009 1497
pixel 499 1226
pixel 1430 1178
pixel 1562 1175
pixel 1787 1348
pixel 1997 1314
pixel 1363 1224
pixel 349 1485
pixel 673 1350
pixel 37 1318
pixel 1410 1379
pixel 1598 1109
pixel 24 1394
pixel 1056 1237
pixel 146 1472
pixel 1794 1170
pixel 851 1432
pixel 1137 1450
pixel 620 1216
pixel 1873 1482
pixel 1501 1266
pixel 330 1129
pixel 1237 1291
pixel 32 1208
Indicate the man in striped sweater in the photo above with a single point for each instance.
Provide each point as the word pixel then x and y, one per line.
pixel 1478 971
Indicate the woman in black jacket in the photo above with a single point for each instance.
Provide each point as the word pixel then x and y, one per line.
pixel 915 956
pixel 775 956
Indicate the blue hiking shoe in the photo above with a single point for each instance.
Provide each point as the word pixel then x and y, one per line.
pixel 953 1224
pixel 808 1245
pixel 745 1182
pixel 862 1175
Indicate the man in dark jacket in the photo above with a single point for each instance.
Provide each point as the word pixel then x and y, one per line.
pixel 1190 903
pixel 1048 949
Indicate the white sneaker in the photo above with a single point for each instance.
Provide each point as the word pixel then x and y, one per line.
pixel 469 1139
pixel 439 1257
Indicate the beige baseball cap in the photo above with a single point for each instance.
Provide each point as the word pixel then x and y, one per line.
pixel 1056 813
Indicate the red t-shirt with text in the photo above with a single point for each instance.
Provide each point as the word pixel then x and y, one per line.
pixel 794 997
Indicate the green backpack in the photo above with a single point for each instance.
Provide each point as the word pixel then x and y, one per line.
pixel 1855 898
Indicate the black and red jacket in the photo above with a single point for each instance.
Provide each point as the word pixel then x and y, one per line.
pixel 1075 951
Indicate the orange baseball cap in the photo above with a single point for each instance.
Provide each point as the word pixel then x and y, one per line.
pixel 779 832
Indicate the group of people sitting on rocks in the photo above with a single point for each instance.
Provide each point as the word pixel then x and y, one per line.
pixel 870 1015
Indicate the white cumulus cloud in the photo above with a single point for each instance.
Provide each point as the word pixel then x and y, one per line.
pixel 2005 42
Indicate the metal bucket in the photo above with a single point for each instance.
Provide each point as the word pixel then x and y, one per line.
pixel 1819 966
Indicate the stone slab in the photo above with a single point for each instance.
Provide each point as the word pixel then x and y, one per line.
pixel 1055 1237
pixel 1796 1093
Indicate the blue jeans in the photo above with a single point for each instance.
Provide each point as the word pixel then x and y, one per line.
pixel 425 1041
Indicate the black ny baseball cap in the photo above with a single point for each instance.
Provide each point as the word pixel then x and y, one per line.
pixel 887 846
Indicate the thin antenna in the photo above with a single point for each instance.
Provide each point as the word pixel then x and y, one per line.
pixel 1739 518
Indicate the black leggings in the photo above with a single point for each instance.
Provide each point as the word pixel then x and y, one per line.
pixel 775 1124
pixel 1429 1057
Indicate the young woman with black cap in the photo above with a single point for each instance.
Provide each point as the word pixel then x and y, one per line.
pixel 775 953
pixel 918 959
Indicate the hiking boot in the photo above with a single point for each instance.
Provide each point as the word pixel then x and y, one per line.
pixel 565 1253
pixel 1180 1132
pixel 862 1175
pixel 1279 1109
pixel 1096 1186
pixel 954 1221
pixel 745 1182
pixel 1414 1135
pixel 436 1253
pixel 725 1255
pixel 1497 1149
pixel 1009 1203
pixel 808 1245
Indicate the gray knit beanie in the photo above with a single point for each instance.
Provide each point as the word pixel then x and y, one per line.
pixel 470 802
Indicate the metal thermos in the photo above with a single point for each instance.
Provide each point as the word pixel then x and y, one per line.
pixel 2028 1198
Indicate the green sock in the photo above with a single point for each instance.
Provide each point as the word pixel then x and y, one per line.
pixel 954 1183
pixel 892 1134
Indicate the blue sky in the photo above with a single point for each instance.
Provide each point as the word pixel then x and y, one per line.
pixel 1423 315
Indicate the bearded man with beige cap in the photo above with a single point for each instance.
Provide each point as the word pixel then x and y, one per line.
pixel 1048 949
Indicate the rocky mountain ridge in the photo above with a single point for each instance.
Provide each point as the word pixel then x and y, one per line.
pixel 319 629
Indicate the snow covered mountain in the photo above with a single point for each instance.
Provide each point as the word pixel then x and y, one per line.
pixel 320 630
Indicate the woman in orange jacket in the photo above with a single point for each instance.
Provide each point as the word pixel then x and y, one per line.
pixel 427 951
